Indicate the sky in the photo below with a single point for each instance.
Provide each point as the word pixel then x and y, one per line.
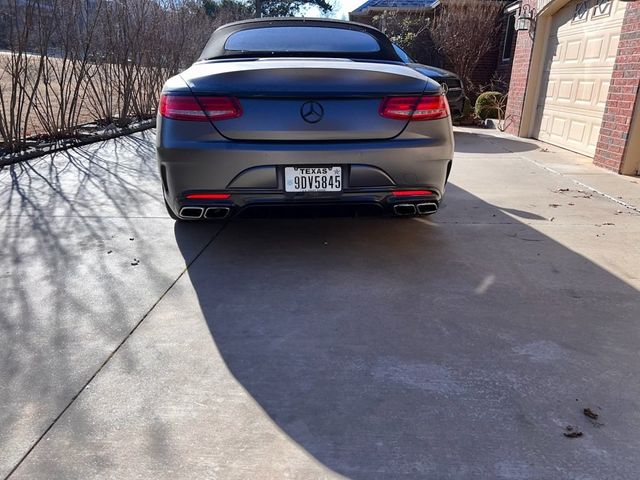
pixel 341 11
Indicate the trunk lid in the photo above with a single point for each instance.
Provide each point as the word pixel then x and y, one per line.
pixel 307 99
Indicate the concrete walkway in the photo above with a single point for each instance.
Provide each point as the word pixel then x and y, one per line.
pixel 578 168
pixel 456 346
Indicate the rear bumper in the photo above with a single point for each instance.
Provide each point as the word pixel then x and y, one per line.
pixel 253 172
pixel 380 201
pixel 263 185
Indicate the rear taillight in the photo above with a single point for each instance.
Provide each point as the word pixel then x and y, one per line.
pixel 199 109
pixel 426 107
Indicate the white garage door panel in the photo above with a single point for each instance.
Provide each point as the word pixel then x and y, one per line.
pixel 581 52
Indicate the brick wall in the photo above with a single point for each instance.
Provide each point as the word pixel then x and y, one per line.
pixel 519 77
pixel 623 90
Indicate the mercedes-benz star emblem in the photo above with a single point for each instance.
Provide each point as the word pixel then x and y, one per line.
pixel 445 88
pixel 311 112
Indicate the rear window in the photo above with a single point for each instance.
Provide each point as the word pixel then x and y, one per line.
pixel 301 39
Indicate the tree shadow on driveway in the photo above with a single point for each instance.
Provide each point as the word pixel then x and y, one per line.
pixel 409 348
pixel 86 249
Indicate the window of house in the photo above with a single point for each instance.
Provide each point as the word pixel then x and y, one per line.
pixel 581 12
pixel 508 38
pixel 602 8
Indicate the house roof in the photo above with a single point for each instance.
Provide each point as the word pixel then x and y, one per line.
pixel 397 5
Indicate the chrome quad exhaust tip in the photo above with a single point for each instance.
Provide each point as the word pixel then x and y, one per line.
pixel 404 209
pixel 192 213
pixel 217 212
pixel 427 208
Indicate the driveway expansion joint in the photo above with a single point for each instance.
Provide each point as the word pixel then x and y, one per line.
pixel 112 354
pixel 563 175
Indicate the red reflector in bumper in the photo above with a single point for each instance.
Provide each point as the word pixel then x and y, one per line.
pixel 208 196
pixel 411 193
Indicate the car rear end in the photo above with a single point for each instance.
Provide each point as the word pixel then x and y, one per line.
pixel 455 94
pixel 241 132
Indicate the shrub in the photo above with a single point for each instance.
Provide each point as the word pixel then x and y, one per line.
pixel 490 105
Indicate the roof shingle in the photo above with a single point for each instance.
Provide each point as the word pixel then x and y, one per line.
pixel 397 4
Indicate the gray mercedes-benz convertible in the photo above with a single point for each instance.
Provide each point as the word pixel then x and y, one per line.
pixel 298 111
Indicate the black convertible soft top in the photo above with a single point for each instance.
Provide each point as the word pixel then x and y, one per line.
pixel 218 46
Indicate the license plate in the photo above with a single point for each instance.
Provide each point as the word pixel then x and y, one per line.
pixel 313 179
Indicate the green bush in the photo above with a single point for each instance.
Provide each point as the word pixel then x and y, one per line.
pixel 489 105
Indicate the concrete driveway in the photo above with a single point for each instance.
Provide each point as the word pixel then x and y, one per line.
pixel 456 346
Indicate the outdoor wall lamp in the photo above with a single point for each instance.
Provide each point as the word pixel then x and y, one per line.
pixel 526 18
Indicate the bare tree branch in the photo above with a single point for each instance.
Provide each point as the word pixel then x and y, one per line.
pixel 464 31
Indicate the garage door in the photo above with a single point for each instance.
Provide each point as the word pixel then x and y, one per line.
pixel 581 51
